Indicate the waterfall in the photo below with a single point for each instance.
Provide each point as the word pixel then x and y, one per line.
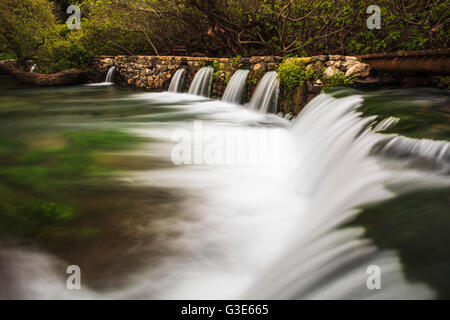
pixel 33 68
pixel 265 97
pixel 236 87
pixel 201 84
pixel 337 172
pixel 110 75
pixel 177 83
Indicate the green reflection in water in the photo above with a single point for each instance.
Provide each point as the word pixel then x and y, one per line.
pixel 415 225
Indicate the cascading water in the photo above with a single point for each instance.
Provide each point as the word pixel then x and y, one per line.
pixel 201 85
pixel 296 211
pixel 265 97
pixel 177 82
pixel 236 87
pixel 33 68
pixel 110 75
pixel 336 173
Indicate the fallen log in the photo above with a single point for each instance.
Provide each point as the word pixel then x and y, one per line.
pixel 63 78
pixel 4 70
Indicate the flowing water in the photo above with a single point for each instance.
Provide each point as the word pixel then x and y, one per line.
pixel 163 195
pixel 265 97
pixel 110 75
pixel 201 85
pixel 236 87
pixel 177 82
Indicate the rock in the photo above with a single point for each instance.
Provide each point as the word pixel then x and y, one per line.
pixel 411 82
pixel 347 64
pixel 271 66
pixel 245 61
pixel 304 60
pixel 316 89
pixel 300 98
pixel 319 64
pixel 359 69
pixel 337 64
pixel 322 58
pixel 330 71
pixel 260 66
pixel 337 57
pixel 254 60
pixel 310 97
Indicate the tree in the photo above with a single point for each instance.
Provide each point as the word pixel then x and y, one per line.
pixel 24 25
pixel 272 27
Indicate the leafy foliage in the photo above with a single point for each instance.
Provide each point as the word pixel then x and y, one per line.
pixel 340 79
pixel 275 27
pixel 293 73
pixel 24 26
pixel 216 28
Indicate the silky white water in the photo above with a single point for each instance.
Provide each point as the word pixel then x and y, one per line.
pixel 201 85
pixel 110 75
pixel 177 82
pixel 265 97
pixel 264 227
pixel 236 87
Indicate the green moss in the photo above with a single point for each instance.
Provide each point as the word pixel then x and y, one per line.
pixel 227 69
pixel 36 184
pixel 340 79
pixel 102 140
pixel 293 72
pixel 28 218
pixel 235 62
pixel 254 76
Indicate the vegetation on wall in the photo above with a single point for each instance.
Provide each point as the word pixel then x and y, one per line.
pixel 340 79
pixel 223 71
pixel 293 73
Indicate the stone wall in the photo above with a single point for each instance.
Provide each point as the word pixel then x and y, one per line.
pixel 8 63
pixel 155 72
pixel 12 64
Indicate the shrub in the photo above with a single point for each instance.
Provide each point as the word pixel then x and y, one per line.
pixel 293 72
pixel 340 79
pixel 64 50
